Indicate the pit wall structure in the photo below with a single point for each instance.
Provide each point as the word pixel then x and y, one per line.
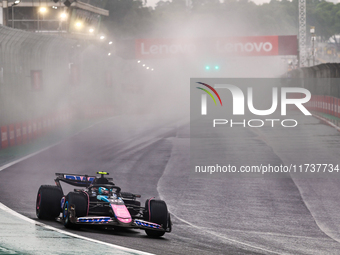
pixel 46 81
pixel 323 82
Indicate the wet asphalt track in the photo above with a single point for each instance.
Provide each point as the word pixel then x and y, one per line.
pixel 210 216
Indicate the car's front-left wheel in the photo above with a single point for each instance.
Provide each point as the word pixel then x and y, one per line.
pixel 156 212
pixel 80 203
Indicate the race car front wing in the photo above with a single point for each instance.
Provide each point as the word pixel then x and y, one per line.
pixel 106 220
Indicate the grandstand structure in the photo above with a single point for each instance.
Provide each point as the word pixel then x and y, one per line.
pixel 54 16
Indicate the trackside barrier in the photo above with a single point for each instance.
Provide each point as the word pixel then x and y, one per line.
pixel 34 129
pixel 24 133
pixel 39 127
pixel 4 137
pixel 44 125
pixel 11 135
pixel 50 123
pixel 325 104
pixel 29 130
pixel 18 133
pixel 326 94
pixel 322 104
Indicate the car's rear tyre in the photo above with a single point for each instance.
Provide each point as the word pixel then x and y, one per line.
pixel 48 202
pixel 80 203
pixel 156 212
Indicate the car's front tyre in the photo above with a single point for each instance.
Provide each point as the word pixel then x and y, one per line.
pixel 156 212
pixel 48 202
pixel 80 203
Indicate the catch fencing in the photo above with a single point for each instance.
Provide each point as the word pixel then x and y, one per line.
pixel 323 81
pixel 328 72
pixel 48 80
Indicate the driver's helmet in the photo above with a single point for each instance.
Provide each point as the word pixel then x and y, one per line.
pixel 103 191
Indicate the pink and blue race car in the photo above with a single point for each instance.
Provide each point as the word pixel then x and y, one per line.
pixel 101 202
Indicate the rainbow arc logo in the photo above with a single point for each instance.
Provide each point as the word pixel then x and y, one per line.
pixel 209 93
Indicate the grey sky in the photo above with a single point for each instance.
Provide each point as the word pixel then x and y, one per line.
pixel 153 2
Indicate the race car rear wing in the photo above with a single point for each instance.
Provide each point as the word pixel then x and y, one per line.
pixel 76 179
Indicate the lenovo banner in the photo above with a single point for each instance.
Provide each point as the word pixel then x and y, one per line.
pixel 228 46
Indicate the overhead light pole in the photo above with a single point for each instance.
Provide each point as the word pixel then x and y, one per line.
pixel 302 33
pixel 16 2
pixel 41 10
pixel 62 18
pixel 5 12
pixel 312 32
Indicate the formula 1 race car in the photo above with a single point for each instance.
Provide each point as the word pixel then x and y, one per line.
pixel 100 203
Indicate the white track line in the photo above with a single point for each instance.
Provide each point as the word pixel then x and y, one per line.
pixel 14 213
pixel 35 153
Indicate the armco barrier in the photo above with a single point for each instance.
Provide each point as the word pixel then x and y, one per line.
pixel 21 133
pixel 11 132
pixel 34 129
pixel 44 125
pixel 24 133
pixel 29 131
pixel 39 127
pixel 325 104
pixel 18 133
pixel 4 137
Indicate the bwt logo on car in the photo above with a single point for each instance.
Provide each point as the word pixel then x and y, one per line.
pixel 78 178
pixel 239 104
